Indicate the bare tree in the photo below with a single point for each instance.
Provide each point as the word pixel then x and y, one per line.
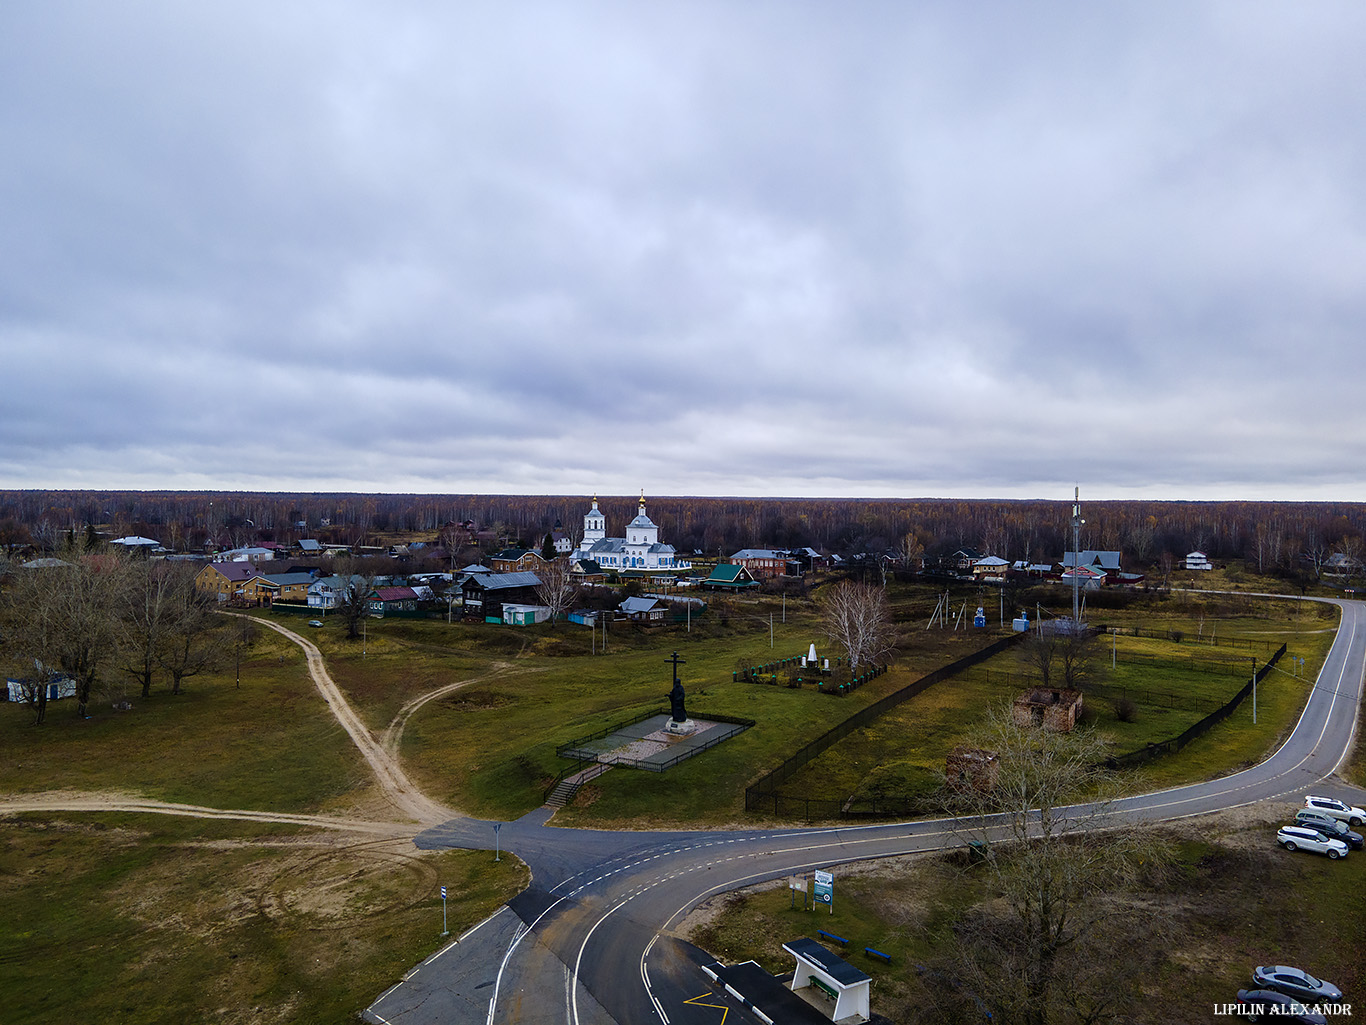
pixel 194 639
pixel 1348 550
pixel 556 589
pixel 354 602
pixel 859 621
pixel 1061 659
pixel 30 628
pixel 1034 949
pixel 145 609
pixel 1143 539
pixel 1316 553
pixel 910 552
pixel 64 619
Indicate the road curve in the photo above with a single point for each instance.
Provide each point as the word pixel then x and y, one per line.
pixel 590 943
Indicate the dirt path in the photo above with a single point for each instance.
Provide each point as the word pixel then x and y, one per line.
pixel 381 757
pixel 380 754
pixel 392 734
pixel 111 802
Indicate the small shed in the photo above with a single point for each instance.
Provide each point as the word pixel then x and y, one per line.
pixel 515 614
pixel 28 690
pixel 1053 707
pixel 844 988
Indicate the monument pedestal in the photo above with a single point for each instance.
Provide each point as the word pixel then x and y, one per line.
pixel 685 728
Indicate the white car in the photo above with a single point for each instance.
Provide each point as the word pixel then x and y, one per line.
pixel 1342 812
pixel 1302 838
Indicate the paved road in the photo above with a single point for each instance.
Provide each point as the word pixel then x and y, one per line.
pixel 591 942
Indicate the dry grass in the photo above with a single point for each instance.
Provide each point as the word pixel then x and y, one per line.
pixel 1231 900
pixel 157 920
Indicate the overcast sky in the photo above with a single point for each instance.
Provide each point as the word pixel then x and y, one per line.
pixel 740 248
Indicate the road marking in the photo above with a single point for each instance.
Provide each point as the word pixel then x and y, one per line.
pixel 697 1002
pixel 645 977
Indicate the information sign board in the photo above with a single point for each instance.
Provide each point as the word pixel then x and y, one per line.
pixel 825 889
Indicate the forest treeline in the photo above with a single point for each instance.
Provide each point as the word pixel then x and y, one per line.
pixel 1269 535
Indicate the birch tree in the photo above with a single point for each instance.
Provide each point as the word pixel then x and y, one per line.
pixel 859 622
pixel 556 589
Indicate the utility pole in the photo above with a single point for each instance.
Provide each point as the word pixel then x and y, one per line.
pixel 1077 521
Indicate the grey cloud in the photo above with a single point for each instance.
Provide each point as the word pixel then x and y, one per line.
pixel 738 249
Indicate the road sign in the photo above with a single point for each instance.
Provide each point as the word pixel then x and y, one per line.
pixel 825 890
pixel 443 893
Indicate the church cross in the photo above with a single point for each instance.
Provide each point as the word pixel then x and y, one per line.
pixel 676 662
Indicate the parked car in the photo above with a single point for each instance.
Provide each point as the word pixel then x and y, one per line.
pixel 1302 838
pixel 1329 826
pixel 1295 982
pixel 1347 813
pixel 315 622
pixel 1259 1004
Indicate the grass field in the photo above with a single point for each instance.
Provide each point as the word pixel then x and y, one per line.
pixel 153 919
pixel 269 744
pixel 1172 685
pixel 1232 900
pixel 139 918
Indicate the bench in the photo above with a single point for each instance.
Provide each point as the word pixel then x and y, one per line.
pixel 832 937
pixel 827 990
pixel 877 953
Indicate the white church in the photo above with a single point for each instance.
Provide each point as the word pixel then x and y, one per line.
pixel 639 549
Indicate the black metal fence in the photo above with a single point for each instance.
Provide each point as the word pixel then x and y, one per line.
pixel 575 749
pixel 1186 637
pixel 1206 724
pixel 764 796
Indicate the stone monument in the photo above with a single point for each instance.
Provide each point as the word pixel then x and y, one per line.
pixel 678 723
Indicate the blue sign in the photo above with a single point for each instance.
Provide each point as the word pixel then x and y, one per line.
pixel 443 893
pixel 824 890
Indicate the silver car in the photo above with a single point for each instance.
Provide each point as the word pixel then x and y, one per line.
pixel 1302 838
pixel 1334 829
pixel 1347 813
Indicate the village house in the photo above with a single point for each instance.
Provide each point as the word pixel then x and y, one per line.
pixel 483 595
pixel 329 592
pixel 516 560
pixel 224 580
pixel 730 576
pixel 1198 561
pixel 1106 562
pixel 392 599
pixel 644 610
pixel 762 563
pixel 990 567
pixel 268 588
pixel 1087 577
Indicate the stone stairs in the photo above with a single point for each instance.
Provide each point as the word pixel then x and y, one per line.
pixel 567 788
